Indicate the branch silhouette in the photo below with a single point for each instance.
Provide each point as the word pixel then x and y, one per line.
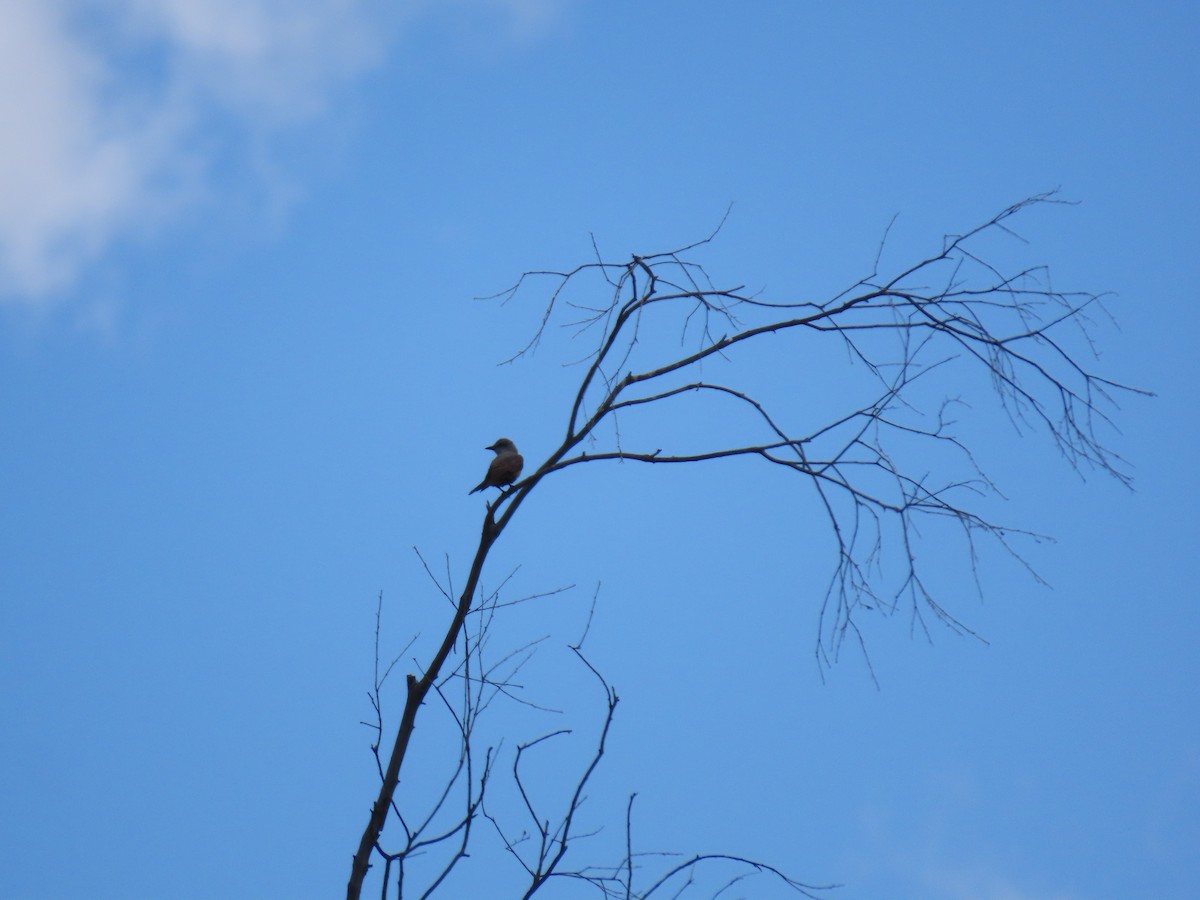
pixel 910 332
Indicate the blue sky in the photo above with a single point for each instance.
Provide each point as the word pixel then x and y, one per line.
pixel 243 374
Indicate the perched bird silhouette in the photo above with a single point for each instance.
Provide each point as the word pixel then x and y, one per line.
pixel 504 469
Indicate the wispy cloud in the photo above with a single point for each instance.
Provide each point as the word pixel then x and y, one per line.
pixel 273 58
pixel 525 19
pixel 107 109
pixel 944 851
pixel 69 172
pixel 97 109
pixel 953 882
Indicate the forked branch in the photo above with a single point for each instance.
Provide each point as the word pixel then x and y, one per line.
pixel 912 336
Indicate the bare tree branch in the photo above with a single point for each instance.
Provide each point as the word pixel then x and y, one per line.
pixel 889 461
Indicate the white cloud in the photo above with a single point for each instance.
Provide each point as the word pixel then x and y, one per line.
pixel 65 175
pixel 100 105
pixel 112 112
pixel 276 58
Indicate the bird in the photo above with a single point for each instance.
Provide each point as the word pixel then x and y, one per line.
pixel 504 469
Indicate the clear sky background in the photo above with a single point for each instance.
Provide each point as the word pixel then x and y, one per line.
pixel 242 375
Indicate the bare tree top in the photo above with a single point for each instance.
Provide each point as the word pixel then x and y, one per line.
pixel 902 327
